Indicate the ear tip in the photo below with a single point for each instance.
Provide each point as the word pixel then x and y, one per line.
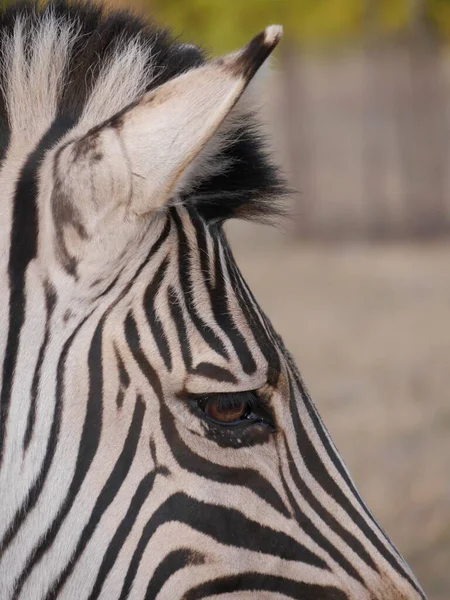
pixel 272 35
pixel 246 62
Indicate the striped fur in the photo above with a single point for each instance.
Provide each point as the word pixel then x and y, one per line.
pixel 114 484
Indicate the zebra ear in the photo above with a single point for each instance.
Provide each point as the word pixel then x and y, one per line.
pixel 143 154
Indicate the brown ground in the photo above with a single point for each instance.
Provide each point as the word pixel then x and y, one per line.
pixel 370 329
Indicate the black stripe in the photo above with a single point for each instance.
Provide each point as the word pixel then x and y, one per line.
pixel 219 295
pixel 214 372
pixel 350 540
pixel 317 469
pixel 153 320
pixel 176 313
pixel 227 526
pixel 120 398
pixel 123 377
pixel 89 442
pixel 223 313
pixel 23 249
pixel 186 283
pixel 123 530
pixel 153 250
pixel 338 464
pixel 110 287
pixel 314 533
pixel 5 132
pixel 255 318
pixel 322 432
pixel 258 583
pixel 133 339
pixel 319 472
pixel 107 495
pixel 123 373
pixel 173 562
pixel 50 301
pixel 52 442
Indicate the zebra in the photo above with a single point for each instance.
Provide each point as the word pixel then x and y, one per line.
pixel 156 438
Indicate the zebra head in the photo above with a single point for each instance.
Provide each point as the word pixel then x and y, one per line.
pixel 156 440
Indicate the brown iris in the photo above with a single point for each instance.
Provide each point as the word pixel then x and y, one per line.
pixel 225 412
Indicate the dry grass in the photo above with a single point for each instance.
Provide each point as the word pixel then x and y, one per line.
pixel 369 327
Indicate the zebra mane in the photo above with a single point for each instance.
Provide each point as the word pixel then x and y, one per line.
pixel 79 61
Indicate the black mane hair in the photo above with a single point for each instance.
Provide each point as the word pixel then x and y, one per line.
pixel 251 185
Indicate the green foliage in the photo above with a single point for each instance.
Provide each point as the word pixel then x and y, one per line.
pixel 393 15
pixel 222 25
pixel 225 24
pixel 439 12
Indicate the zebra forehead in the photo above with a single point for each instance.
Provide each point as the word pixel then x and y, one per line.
pixel 79 65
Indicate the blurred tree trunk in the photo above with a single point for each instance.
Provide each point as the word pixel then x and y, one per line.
pixel 419 106
pixel 374 168
pixel 298 138
pixel 419 24
pixel 422 129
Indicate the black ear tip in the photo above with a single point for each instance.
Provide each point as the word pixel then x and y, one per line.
pixel 264 43
pixel 253 55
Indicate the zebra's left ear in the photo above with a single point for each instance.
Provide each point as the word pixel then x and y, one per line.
pixel 143 155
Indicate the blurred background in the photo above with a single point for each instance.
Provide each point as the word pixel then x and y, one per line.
pixel 358 280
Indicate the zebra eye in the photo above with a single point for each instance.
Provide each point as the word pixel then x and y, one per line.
pixel 233 408
pixel 225 412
